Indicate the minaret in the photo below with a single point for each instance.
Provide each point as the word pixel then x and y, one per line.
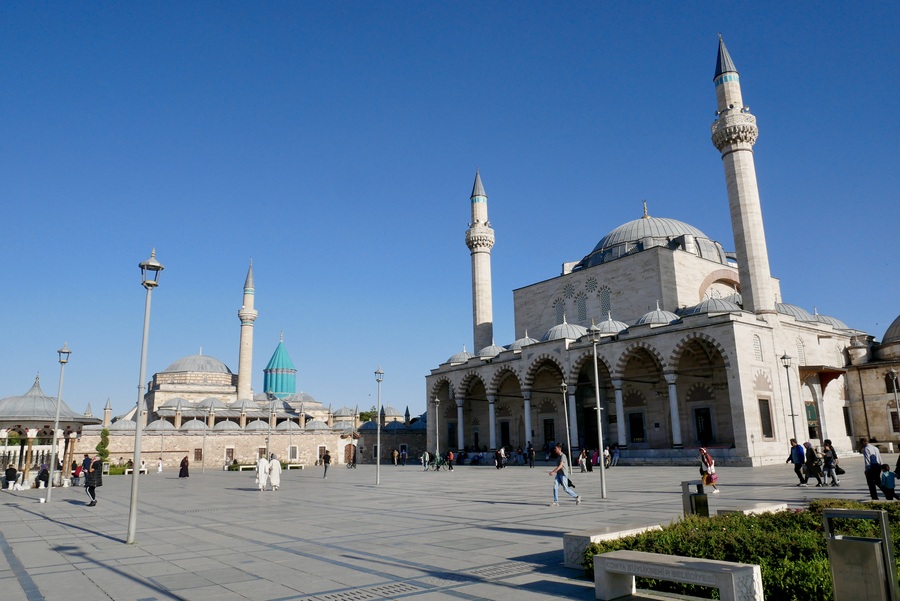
pixel 480 240
pixel 247 315
pixel 734 132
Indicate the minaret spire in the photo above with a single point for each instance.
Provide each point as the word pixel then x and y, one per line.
pixel 247 315
pixel 734 133
pixel 480 240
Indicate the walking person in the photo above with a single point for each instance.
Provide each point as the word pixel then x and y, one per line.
pixel 450 460
pixel 887 482
pixel 425 459
pixel 274 472
pixel 183 468
pixel 561 476
pixel 93 479
pixel 829 456
pixel 159 466
pixel 708 470
pixel 326 461
pixel 582 460
pixel 615 455
pixel 531 454
pixel 813 464
pixel 262 472
pixel 872 464
pixel 798 458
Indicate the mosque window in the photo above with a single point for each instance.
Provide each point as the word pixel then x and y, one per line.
pixel 891 382
pixel 591 285
pixel 559 308
pixel 765 418
pixel 605 300
pixel 801 352
pixel 895 420
pixel 757 348
pixel 581 307
pixel 569 291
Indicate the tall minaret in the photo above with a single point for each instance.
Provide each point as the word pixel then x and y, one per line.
pixel 734 132
pixel 247 315
pixel 480 240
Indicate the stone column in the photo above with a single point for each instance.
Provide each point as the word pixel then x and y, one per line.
pixel 526 395
pixel 492 419
pixel 673 410
pixel 620 415
pixel 573 421
pixel 460 434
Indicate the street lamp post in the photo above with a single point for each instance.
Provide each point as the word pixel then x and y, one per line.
pixel 564 388
pixel 437 428
pixel 786 361
pixel 595 339
pixel 203 449
pixel 893 381
pixel 379 376
pixel 150 270
pixel 64 353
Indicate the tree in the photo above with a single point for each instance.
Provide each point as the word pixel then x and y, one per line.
pixel 103 445
pixel 367 416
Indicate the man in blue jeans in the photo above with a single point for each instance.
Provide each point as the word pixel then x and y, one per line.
pixel 561 473
pixel 798 458
pixel 871 463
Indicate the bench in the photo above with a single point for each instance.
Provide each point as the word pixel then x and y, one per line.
pixel 576 543
pixel 756 509
pixel 294 466
pixel 129 470
pixel 242 468
pixel 614 574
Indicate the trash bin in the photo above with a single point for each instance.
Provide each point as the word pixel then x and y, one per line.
pixel 862 569
pixel 694 503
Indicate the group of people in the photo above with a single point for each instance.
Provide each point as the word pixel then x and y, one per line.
pixel 808 463
pixel 399 457
pixel 588 459
pixel 268 472
pixel 878 475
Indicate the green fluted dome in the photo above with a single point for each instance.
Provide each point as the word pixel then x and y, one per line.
pixel 280 376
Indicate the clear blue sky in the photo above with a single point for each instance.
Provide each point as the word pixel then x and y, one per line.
pixel 335 144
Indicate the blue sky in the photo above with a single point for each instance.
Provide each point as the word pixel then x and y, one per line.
pixel 336 143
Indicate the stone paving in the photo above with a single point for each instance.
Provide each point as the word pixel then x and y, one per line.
pixel 474 533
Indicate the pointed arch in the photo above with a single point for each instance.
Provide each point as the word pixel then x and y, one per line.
pixel 500 376
pixel 537 363
pixel 675 357
pixel 628 352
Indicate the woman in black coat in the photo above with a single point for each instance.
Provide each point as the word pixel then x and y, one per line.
pixel 93 478
pixel 183 472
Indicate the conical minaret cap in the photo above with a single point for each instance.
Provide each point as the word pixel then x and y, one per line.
pixel 478 188
pixel 724 64
pixel 248 283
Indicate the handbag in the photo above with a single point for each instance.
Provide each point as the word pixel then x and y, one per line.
pixel 714 477
pixel 839 470
pixel 569 482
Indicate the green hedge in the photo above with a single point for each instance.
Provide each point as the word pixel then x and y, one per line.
pixel 789 547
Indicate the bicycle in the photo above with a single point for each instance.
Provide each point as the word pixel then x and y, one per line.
pixel 439 464
pixel 351 465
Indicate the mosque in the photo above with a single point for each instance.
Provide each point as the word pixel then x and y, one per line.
pixel 660 341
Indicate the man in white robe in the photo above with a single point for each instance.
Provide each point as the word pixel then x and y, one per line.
pixel 262 472
pixel 274 472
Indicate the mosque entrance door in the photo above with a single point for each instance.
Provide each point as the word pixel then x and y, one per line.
pixel 703 422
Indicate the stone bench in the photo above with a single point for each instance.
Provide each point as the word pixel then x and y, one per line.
pixel 575 543
pixel 294 466
pixel 614 574
pixel 755 509
pixel 242 468
pixel 129 471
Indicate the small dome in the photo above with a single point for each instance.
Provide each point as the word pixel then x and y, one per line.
pixel 390 412
pixel 736 298
pixel 420 424
pixel 460 357
pixel 344 412
pixel 837 324
pixel 123 425
pixel 369 426
pixel 394 426
pixel 202 363
pixel 657 318
pixel 342 426
pixel 256 425
pixel 610 327
pixel 226 426
pixel 173 403
pixel 315 424
pixel 564 330
pixel 893 332
pixel 491 351
pixel 712 306
pixel 522 342
pixel 798 313
pixel 287 426
pixel 193 425
pixel 212 403
pixel 159 425
pixel 301 397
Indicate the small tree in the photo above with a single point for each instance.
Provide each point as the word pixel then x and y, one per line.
pixel 103 445
pixel 367 416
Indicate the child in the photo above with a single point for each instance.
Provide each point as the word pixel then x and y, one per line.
pixel 887 482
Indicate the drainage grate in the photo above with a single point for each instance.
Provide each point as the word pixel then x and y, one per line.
pixel 504 570
pixel 390 591
pixel 360 595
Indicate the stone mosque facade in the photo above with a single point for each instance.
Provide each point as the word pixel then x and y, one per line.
pixel 691 342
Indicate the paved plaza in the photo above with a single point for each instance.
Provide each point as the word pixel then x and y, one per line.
pixel 474 533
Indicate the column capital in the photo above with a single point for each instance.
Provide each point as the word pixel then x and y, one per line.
pixel 491 398
pixel 617 383
pixel 526 394
pixel 671 377
pixel 459 401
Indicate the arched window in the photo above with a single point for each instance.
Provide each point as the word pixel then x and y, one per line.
pixel 801 352
pixel 605 300
pixel 757 348
pixel 891 382
pixel 581 307
pixel 559 308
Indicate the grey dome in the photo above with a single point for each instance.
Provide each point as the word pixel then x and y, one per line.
pixel 202 363
pixel 315 424
pixel 159 425
pixel 256 425
pixel 713 305
pixel 491 351
pixel 213 403
pixel 893 332
pixel 344 412
pixel 565 330
pixel 834 322
pixel 245 406
pixel 34 405
pixel 648 232
pixel 610 327
pixel 657 318
pixel 522 342
pixel 226 425
pixel 288 425
pixel 301 397
pixel 388 411
pixel 798 313
pixel 123 425
pixel 194 425
pixel 736 298
pixel 461 357
pixel 173 403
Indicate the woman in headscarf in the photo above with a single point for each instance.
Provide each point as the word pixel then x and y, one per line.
pixel 813 463
pixel 183 472
pixel 93 479
pixel 708 470
pixel 274 472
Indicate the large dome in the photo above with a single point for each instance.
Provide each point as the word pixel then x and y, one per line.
pixel 647 232
pixel 893 332
pixel 203 363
